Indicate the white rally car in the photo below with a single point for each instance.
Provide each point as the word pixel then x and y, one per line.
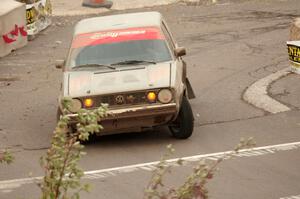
pixel 132 63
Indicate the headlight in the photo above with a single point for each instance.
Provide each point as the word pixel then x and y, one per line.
pixel 151 96
pixel 88 102
pixel 75 105
pixel 165 96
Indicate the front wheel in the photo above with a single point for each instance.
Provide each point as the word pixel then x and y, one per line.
pixel 183 126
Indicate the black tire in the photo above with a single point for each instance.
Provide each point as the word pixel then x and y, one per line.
pixel 183 126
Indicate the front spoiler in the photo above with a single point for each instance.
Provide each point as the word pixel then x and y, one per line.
pixel 135 119
pixel 148 110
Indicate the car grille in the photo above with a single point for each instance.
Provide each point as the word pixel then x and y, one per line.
pixel 122 99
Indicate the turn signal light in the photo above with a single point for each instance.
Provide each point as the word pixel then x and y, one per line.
pixel 151 96
pixel 88 103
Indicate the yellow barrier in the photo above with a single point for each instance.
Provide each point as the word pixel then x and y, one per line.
pixel 38 13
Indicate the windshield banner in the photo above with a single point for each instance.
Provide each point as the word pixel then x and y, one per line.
pixel 38 15
pixel 115 36
pixel 294 55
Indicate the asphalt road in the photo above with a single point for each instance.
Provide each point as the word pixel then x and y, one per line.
pixel 285 90
pixel 230 46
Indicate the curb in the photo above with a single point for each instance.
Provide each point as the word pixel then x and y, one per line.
pixel 257 93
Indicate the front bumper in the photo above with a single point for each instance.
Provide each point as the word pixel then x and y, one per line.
pixel 136 118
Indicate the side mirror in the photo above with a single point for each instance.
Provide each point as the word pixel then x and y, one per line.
pixel 180 51
pixel 59 64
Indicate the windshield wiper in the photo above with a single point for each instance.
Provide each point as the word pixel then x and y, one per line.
pixel 131 62
pixel 94 65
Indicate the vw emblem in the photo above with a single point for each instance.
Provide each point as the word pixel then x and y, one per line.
pixel 120 99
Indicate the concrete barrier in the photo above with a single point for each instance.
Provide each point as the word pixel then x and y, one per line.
pixel 13 32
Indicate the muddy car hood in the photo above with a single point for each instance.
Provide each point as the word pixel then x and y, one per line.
pixel 86 83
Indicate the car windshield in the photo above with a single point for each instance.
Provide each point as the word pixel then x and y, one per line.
pixel 122 50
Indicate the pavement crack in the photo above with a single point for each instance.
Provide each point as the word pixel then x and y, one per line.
pixel 229 121
pixel 253 49
pixel 35 149
pixel 270 28
pixel 273 67
pixel 245 16
pixel 20 148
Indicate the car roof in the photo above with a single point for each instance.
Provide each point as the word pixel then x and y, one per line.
pixel 117 22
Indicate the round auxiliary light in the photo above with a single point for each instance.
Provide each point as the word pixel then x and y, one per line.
pixel 88 102
pixel 165 96
pixel 151 96
pixel 75 105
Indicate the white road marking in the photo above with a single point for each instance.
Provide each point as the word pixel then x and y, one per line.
pixel 104 173
pixel 292 197
pixel 257 93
